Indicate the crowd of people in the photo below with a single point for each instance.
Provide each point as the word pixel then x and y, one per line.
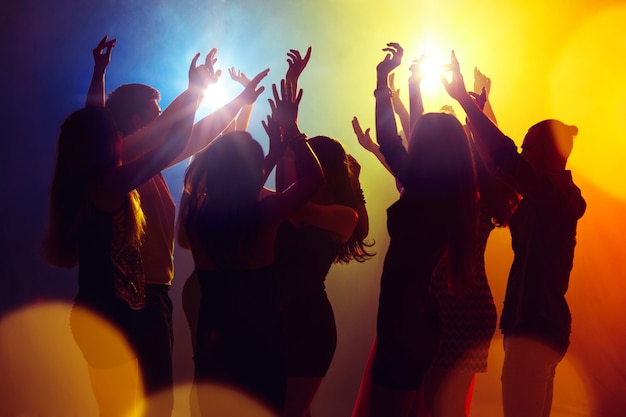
pixel 256 304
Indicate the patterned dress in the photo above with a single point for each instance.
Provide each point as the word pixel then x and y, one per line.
pixel 468 325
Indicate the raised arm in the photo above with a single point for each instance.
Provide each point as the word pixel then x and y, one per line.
pixel 101 58
pixel 386 130
pixel 156 133
pixel 286 172
pixel 416 104
pixel 399 108
pixel 276 151
pixel 310 174
pixel 488 138
pixel 297 64
pixel 177 125
pixel 209 128
pixel 243 118
pixel 365 140
pixel 483 83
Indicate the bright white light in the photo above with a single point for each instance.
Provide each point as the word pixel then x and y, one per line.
pixel 215 97
pixel 432 68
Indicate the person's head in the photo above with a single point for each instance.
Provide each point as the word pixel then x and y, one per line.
pixel 88 146
pixel 338 189
pixel 549 143
pixel 442 171
pixel 229 169
pixel 441 159
pixel 334 161
pixel 133 106
pixel 220 207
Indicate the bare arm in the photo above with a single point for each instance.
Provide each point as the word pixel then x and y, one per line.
pixel 386 129
pixel 338 219
pixel 101 58
pixel 310 174
pixel 243 118
pixel 286 172
pixel 488 138
pixel 415 91
pixel 276 152
pixel 481 81
pixel 366 141
pixel 209 128
pixel 399 108
pixel 128 176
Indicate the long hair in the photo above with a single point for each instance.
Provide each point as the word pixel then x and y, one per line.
pixel 87 148
pixel 442 171
pixel 338 189
pixel 221 209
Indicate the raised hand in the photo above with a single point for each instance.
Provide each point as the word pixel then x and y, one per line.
pixel 481 81
pixel 456 86
pixel 392 84
pixel 364 138
pixel 296 65
pixel 285 107
pixel 250 93
pixel 200 76
pixel 102 53
pixel 416 70
pixel 391 61
pixel 272 128
pixel 209 62
pixel 238 76
pixel 479 99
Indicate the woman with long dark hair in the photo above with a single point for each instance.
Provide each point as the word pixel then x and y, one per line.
pixel 230 225
pixel 96 222
pixel 433 225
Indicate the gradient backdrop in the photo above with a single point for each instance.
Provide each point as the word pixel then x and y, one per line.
pixel 561 59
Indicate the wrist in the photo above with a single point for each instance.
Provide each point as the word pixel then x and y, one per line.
pixel 293 138
pixel 383 92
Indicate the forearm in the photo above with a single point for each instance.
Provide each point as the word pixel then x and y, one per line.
pixel 416 104
pixel 207 129
pixel 488 110
pixel 243 119
pixel 95 93
pixel 403 114
pixel 386 128
pixel 488 138
pixel 154 134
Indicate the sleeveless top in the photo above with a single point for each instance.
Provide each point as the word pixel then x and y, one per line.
pixel 110 269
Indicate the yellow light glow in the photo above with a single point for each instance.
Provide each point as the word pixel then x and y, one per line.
pixel 43 370
pixel 583 93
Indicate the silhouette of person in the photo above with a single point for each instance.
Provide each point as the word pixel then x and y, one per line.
pixel 323 232
pixel 230 227
pixel 433 225
pixel 328 229
pixel 467 324
pixel 134 106
pixel 535 321
pixel 97 222
pixel 191 288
